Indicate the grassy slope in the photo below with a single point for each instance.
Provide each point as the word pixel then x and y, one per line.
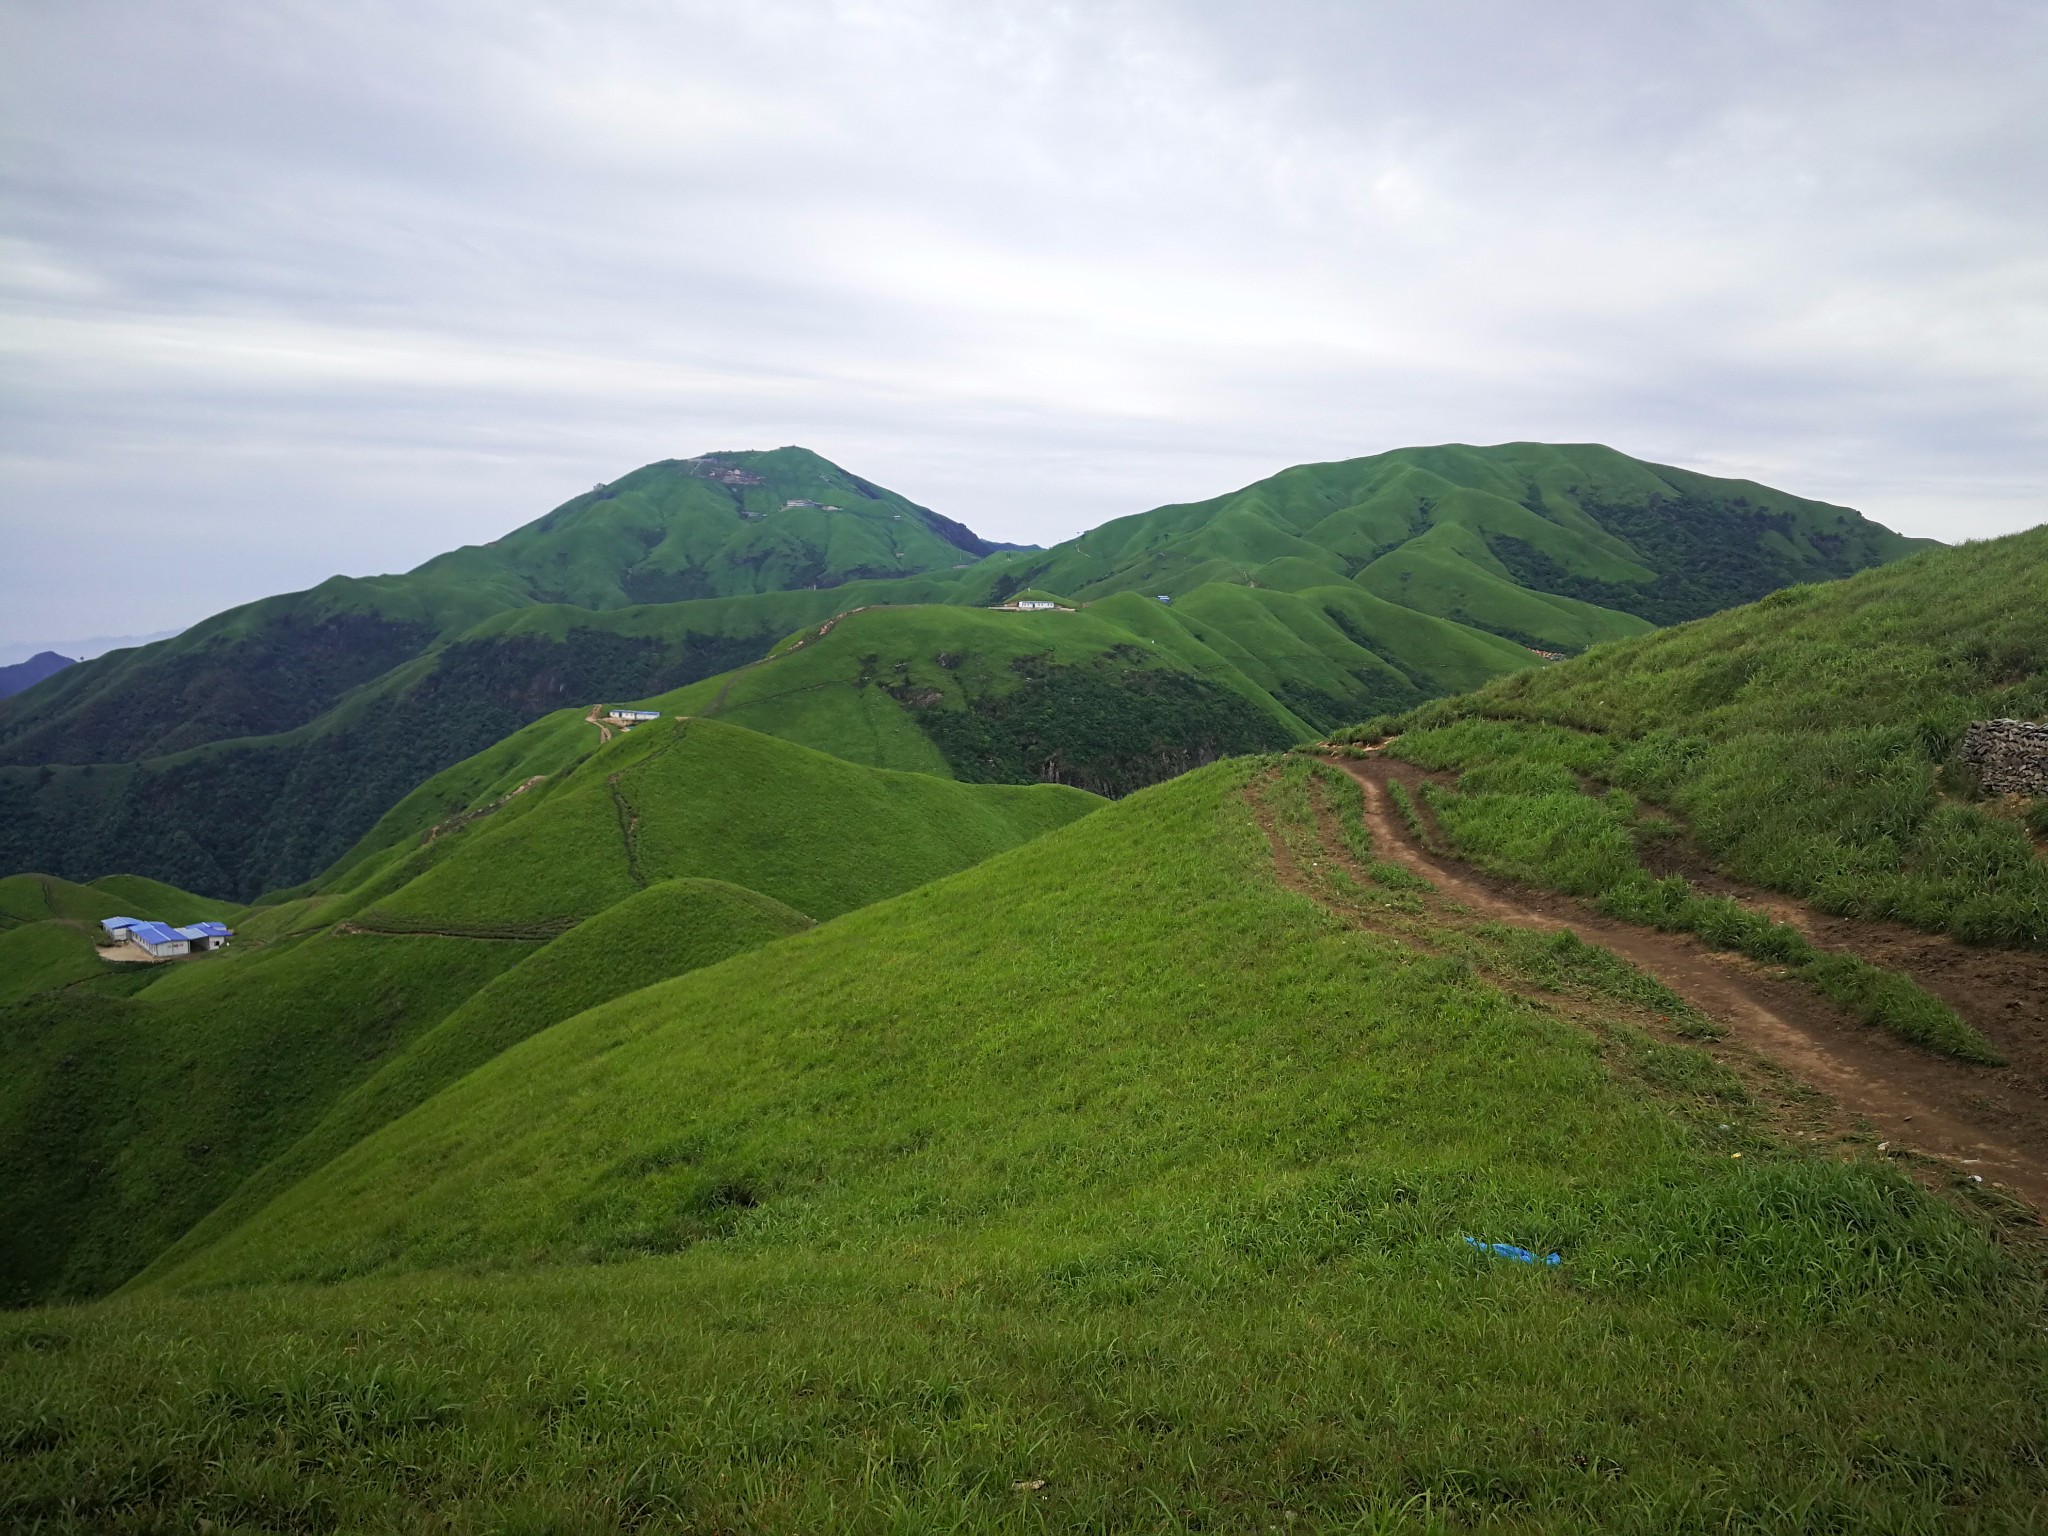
pixel 143 894
pixel 1109 1164
pixel 42 956
pixel 1808 738
pixel 813 693
pixel 271 809
pixel 34 898
pixel 251 751
pixel 862 692
pixel 1592 526
pixel 661 533
pixel 1110 698
pixel 707 799
pixel 667 930
pixel 1518 810
pixel 665 532
pixel 49 928
pixel 125 1119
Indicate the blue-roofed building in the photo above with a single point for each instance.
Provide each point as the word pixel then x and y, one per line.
pixel 205 936
pixel 116 928
pixel 160 941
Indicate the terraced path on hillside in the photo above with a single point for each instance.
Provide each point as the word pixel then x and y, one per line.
pixel 1988 1123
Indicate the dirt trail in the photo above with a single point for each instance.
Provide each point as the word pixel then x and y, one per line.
pixel 455 823
pixel 1992 1122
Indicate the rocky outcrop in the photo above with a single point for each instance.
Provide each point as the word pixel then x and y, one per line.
pixel 2009 757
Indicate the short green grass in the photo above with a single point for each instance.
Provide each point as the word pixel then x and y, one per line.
pixel 667 930
pixel 146 895
pixel 47 956
pixel 126 1119
pixel 34 898
pixel 49 930
pixel 1107 1185
pixel 710 800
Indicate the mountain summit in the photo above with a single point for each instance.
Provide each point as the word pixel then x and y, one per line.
pixel 718 525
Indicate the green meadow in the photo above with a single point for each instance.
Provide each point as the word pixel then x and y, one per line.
pixel 138 1100
pixel 1106 1184
pixel 1518 810
pixel 816 1110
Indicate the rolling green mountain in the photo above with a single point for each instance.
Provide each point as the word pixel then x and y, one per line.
pixel 136 1099
pixel 1811 739
pixel 718 526
pixel 49 927
pixel 251 751
pixel 1557 547
pixel 1108 1184
pixel 1114 1170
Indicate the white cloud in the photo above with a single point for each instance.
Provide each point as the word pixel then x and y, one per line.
pixel 1035 265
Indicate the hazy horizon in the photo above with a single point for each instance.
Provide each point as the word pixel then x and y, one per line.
pixel 331 288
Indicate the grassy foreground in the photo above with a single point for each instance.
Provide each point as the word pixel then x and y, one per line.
pixel 1105 1185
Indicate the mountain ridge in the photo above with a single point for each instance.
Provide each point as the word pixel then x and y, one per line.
pixel 26 674
pixel 250 751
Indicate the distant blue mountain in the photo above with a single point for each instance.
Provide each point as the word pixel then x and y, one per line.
pixel 26 674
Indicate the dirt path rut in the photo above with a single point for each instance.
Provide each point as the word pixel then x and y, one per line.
pixel 1973 1117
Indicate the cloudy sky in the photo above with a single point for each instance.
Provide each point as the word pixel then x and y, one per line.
pixel 321 286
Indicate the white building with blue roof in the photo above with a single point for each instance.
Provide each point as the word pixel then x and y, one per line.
pixel 160 941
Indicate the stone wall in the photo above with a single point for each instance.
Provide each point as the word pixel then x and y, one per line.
pixel 2010 757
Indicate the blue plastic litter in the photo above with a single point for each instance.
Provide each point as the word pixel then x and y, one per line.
pixel 1510 1251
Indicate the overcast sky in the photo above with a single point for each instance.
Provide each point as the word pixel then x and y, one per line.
pixel 319 286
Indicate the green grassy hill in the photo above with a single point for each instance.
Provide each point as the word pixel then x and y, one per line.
pixel 1558 547
pixel 251 751
pixel 49 928
pixel 708 800
pixel 718 526
pixel 133 1106
pixel 1810 739
pixel 667 930
pixel 34 898
pixel 1111 699
pixel 1108 1184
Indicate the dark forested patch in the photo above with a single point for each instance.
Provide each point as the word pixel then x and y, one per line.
pixel 648 584
pixel 1105 726
pixel 287 672
pixel 242 818
pixel 1708 555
